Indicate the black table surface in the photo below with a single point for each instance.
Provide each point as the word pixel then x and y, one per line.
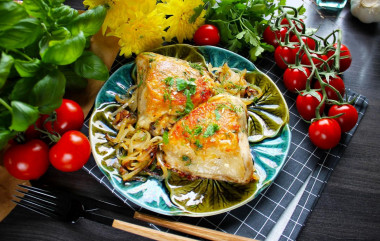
pixel 348 208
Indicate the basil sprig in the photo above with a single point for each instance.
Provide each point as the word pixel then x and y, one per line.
pixel 42 53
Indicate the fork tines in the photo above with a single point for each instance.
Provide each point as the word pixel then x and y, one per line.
pixel 37 200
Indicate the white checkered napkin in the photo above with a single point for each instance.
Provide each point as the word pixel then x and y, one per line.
pixel 257 218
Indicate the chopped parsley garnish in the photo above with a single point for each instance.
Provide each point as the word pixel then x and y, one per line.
pixel 217 114
pixel 169 81
pixel 198 144
pixel 197 67
pixel 189 104
pixel 166 95
pixel 183 84
pixel 186 159
pixel 165 137
pixel 197 131
pixel 211 129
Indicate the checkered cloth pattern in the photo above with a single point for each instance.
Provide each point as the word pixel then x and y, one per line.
pixel 304 162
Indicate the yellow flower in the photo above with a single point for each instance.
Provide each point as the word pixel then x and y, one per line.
pixel 181 11
pixel 94 3
pixel 140 33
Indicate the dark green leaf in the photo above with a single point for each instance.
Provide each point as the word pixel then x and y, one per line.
pixel 27 68
pixel 22 34
pixel 91 66
pixel 36 8
pixel 89 22
pixel 6 63
pixel 62 52
pixel 5 136
pixel 23 115
pixel 197 12
pixel 48 92
pixel 11 13
pixel 73 81
pixel 63 14
pixel 22 89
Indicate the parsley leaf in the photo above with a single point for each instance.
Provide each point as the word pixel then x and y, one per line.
pixel 165 137
pixel 211 129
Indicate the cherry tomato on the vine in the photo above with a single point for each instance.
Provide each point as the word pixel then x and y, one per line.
pixel 298 25
pixel 274 37
pixel 306 105
pixel 295 79
pixel 348 120
pixel 325 133
pixel 27 161
pixel 335 82
pixel 70 116
pixel 283 56
pixel 207 34
pixel 345 62
pixel 71 152
pixel 308 41
pixel 305 60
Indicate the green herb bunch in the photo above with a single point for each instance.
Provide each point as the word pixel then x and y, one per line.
pixel 241 24
pixel 43 52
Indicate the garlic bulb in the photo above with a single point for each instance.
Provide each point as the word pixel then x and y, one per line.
pixel 367 11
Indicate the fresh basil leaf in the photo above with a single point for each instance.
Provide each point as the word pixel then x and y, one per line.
pixel 91 66
pixel 89 22
pixel 22 34
pixel 36 8
pixel 73 81
pixel 11 13
pixel 60 33
pixel 27 68
pixel 5 136
pixel 62 52
pixel 48 92
pixel 6 63
pixel 23 115
pixel 63 14
pixel 22 89
pixel 5 118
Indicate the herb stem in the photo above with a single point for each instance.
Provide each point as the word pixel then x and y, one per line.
pixel 5 104
pixel 21 53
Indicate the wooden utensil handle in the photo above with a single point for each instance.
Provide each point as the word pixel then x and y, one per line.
pixel 147 232
pixel 190 229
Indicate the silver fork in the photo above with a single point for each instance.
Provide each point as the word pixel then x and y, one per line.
pixel 66 208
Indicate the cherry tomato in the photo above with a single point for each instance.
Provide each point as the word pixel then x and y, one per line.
pixel 207 35
pixel 308 41
pixel 344 63
pixel 27 161
pixel 306 105
pixel 337 83
pixel 71 152
pixel 274 37
pixel 31 132
pixel 348 120
pixel 295 79
pixel 325 133
pixel 299 26
pixel 283 56
pixel 70 116
pixel 305 60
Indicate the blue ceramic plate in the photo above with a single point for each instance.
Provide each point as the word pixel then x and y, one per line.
pixel 269 142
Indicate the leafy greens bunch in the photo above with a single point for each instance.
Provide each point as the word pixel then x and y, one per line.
pixel 242 22
pixel 43 51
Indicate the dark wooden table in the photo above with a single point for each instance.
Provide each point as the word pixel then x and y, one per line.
pixel 349 207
